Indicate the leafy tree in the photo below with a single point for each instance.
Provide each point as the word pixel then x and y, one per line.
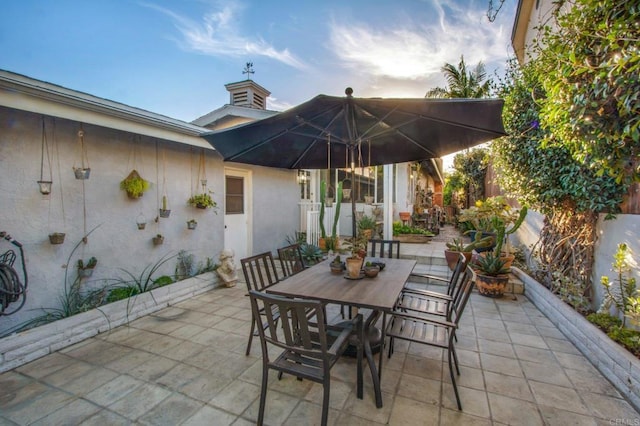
pixel 589 65
pixel 462 83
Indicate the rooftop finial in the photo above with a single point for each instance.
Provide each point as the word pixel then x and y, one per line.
pixel 248 70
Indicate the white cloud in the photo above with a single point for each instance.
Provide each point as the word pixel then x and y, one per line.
pixel 217 35
pixel 416 50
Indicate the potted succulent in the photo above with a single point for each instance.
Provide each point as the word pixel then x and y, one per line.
pixel 85 271
pixel 491 275
pixel 458 246
pixel 329 243
pixel 192 224
pixel 164 211
pixel 371 269
pixel 202 201
pixel 134 185
pixel 56 237
pixel 366 225
pixel 158 240
pixel 337 265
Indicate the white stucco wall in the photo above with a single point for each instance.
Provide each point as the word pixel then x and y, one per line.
pixel 29 217
pixel 624 229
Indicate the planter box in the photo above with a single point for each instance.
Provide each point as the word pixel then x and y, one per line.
pixel 24 347
pixel 413 238
pixel 612 360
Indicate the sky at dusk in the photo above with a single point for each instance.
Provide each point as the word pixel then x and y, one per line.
pixel 174 57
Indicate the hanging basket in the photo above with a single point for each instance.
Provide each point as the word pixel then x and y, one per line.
pixel 134 185
pixel 141 226
pixel 158 240
pixel 80 173
pixel 45 186
pixel 192 224
pixel 57 237
pixel 164 213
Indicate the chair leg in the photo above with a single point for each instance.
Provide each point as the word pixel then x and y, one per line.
pixel 453 377
pixel 263 394
pixel 253 327
pixel 326 387
pixel 455 358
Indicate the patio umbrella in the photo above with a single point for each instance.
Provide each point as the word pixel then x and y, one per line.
pixel 346 132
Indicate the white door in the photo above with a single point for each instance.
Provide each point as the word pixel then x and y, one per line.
pixel 237 212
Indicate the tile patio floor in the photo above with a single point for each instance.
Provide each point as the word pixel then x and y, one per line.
pixel 185 365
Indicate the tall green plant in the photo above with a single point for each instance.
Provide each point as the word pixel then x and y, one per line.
pixel 323 194
pixel 336 216
pixel 622 293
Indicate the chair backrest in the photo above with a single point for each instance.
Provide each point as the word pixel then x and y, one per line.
pixel 461 297
pixel 296 332
pixel 291 259
pixel 460 267
pixel 259 271
pixel 388 248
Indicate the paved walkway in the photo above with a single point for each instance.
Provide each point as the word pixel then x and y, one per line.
pixel 185 365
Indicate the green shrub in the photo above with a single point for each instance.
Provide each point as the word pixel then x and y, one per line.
pixel 120 293
pixel 630 339
pixel 604 321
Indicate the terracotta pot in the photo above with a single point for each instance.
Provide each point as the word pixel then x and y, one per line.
pixel 354 264
pixel 491 286
pixel 452 257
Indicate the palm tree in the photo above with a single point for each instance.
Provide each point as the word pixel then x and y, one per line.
pixel 462 83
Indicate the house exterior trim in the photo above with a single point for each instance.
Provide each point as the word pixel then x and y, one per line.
pixel 27 94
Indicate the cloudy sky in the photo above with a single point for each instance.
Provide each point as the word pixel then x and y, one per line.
pixel 174 57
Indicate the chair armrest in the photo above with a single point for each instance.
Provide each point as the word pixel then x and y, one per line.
pixel 431 277
pixel 435 321
pixel 426 293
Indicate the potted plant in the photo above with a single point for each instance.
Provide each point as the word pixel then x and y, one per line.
pixel 329 243
pixel 56 237
pixel 85 271
pixel 337 265
pixel 134 185
pixel 358 248
pixel 457 246
pixel 371 269
pixel 158 240
pixel 164 212
pixel 491 275
pixel 192 224
pixel 202 201
pixel 366 225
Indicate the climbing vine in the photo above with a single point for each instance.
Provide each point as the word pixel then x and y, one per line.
pixel 574 140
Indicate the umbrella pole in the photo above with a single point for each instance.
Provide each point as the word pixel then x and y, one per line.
pixel 353 202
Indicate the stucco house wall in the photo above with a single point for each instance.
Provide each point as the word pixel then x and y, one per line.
pixel 118 138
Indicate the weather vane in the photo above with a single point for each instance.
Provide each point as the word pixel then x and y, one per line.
pixel 248 70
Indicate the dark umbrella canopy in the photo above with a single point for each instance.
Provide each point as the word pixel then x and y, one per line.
pixel 333 132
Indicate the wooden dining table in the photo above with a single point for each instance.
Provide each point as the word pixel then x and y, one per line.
pixel 378 294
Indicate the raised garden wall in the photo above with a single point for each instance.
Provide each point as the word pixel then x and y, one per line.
pixel 21 348
pixel 612 360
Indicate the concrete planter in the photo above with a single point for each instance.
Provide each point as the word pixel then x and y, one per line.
pixel 24 347
pixel 612 360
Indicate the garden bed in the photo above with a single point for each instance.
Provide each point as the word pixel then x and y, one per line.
pixel 26 346
pixel 619 366
pixel 413 238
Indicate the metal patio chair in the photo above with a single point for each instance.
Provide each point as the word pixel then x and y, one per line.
pixel 434 332
pixel 309 348
pixel 291 259
pixel 259 273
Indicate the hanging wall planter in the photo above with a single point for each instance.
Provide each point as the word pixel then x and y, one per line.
pixel 45 185
pixel 164 211
pixel 81 173
pixel 134 185
pixel 84 170
pixel 57 237
pixel 202 201
pixel 158 240
pixel 192 224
